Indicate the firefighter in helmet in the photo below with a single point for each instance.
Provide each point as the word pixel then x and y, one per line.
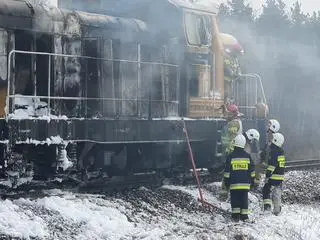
pixel 252 137
pixel 233 127
pixel 273 127
pixel 274 175
pixel 252 147
pixel 238 177
pixel 229 132
pixel 232 51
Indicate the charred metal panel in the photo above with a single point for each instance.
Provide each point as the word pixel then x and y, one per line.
pixel 4 39
pixel 107 89
pixel 67 70
pixel 72 65
pixel 15 14
pixel 91 77
pixel 16 8
pixel 111 131
pixel 11 46
pixel 57 74
pixel 159 83
pixel 128 30
pixel 71 80
pixel 105 21
pixel 48 19
pixel 24 66
pixel 129 79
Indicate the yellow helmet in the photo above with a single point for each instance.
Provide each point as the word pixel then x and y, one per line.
pixel 231 44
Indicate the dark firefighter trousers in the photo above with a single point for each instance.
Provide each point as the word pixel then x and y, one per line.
pixel 272 196
pixel 239 204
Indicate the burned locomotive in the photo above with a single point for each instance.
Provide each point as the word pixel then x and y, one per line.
pixel 103 94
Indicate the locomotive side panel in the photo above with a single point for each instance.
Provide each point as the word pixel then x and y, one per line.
pixel 103 94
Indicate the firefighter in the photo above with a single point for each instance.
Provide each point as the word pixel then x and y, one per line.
pixel 252 137
pixel 233 127
pixel 273 127
pixel 274 175
pixel 252 147
pixel 232 70
pixel 230 131
pixel 238 177
pixel 262 109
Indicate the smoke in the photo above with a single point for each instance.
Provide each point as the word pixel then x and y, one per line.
pixel 153 79
pixel 290 75
pixel 289 70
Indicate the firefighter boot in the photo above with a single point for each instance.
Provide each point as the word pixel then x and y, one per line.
pixel 276 199
pixel 244 217
pixel 235 217
pixel 266 207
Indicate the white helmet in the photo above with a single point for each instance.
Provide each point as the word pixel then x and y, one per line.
pixel 239 141
pixel 253 134
pixel 278 139
pixel 274 125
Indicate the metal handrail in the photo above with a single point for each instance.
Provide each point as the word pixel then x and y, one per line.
pixel 258 77
pixel 87 57
pixel 259 81
pixel 49 97
pixel 91 98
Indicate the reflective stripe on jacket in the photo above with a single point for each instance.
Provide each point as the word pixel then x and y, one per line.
pixel 276 165
pixel 239 170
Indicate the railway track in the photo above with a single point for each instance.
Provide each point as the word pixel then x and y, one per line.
pixel 307 164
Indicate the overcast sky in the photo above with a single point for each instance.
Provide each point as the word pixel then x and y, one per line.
pixel 307 5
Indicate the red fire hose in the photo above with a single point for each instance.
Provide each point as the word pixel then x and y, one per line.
pixel 201 199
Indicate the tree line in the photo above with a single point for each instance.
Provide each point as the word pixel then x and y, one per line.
pixel 282 45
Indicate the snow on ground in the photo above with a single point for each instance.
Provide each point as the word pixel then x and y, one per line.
pixel 170 212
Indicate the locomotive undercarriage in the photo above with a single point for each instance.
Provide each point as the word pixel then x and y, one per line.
pixel 113 154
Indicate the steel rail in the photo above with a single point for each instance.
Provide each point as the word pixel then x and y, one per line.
pixel 303 164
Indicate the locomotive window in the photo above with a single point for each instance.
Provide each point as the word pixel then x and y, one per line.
pixel 197 29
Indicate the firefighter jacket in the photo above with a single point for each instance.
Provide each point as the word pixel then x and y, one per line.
pixel 239 170
pixel 230 131
pixel 264 155
pixel 231 68
pixel 276 165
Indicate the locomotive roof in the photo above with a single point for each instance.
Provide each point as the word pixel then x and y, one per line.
pixel 208 6
pixel 22 15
